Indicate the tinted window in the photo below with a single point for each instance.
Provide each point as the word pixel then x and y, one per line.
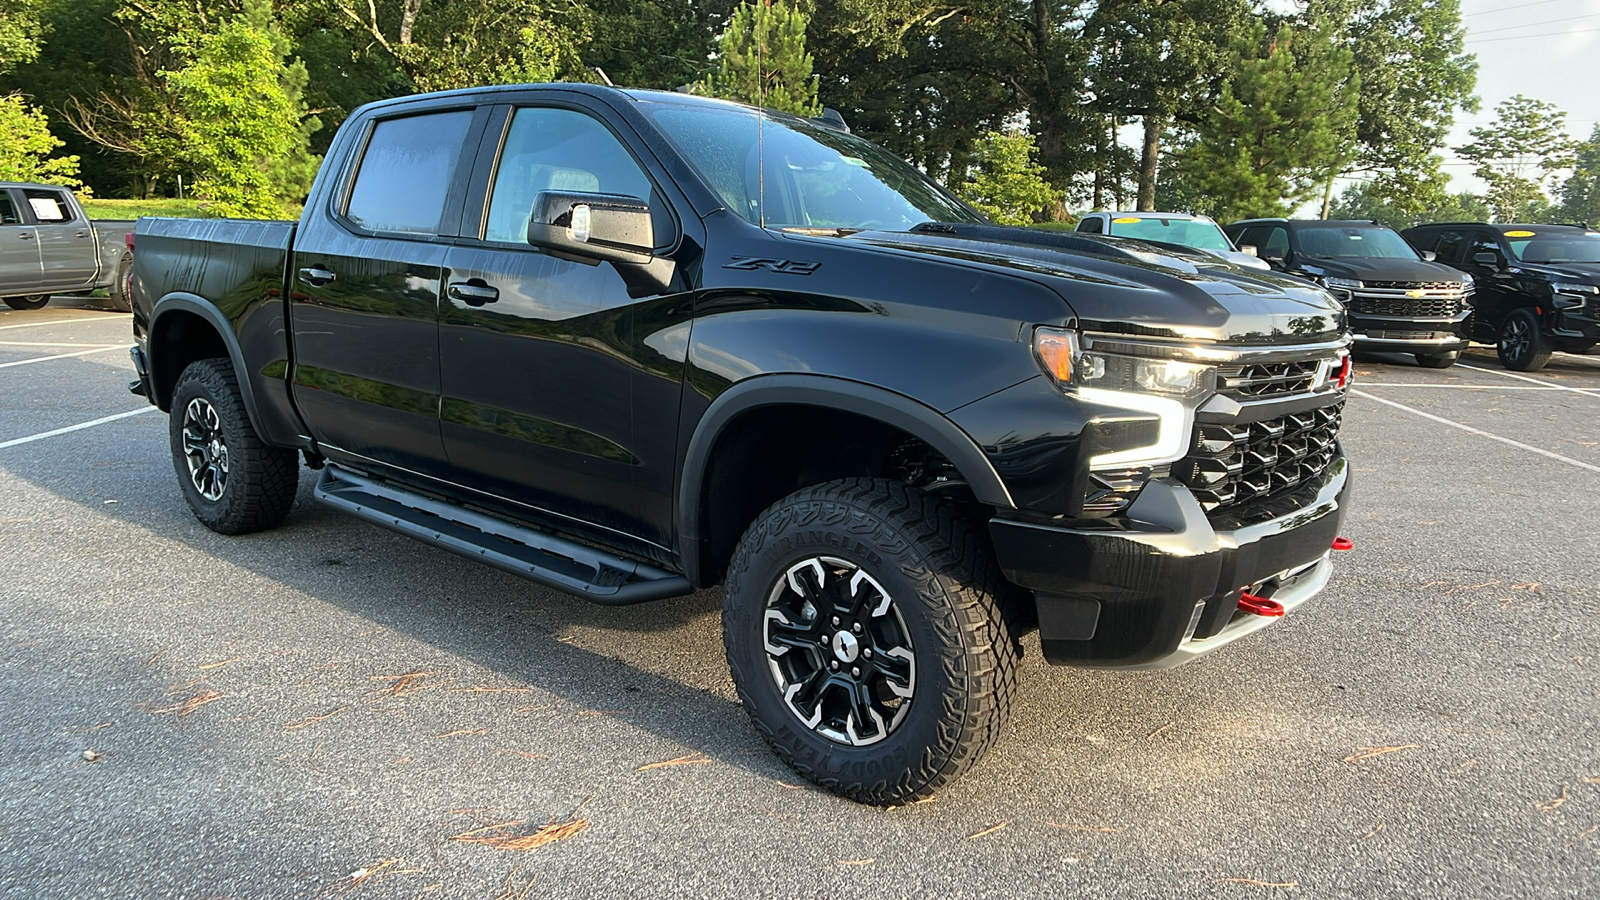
pixel 48 206
pixel 1561 248
pixel 1353 241
pixel 1276 244
pixel 8 211
pixel 1484 243
pixel 562 150
pixel 406 171
pixel 1089 226
pixel 1448 246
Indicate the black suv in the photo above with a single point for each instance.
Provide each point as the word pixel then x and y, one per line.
pixel 1398 299
pixel 1538 285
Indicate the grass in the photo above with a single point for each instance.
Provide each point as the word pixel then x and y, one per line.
pixel 133 209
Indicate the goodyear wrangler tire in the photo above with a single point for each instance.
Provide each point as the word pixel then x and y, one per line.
pixel 863 624
pixel 234 483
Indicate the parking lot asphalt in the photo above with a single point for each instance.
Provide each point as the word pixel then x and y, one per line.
pixel 331 710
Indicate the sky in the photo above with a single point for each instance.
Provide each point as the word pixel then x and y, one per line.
pixel 1545 49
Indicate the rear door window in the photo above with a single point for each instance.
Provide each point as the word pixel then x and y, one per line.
pixel 406 171
pixel 49 207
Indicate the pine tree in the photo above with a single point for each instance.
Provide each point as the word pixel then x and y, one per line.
pixel 764 59
pixel 1006 183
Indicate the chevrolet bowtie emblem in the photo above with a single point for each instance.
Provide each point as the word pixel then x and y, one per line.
pixel 1415 295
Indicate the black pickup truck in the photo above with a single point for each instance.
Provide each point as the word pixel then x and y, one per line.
pixel 632 344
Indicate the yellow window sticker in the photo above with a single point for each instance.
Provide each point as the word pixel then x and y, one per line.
pixel 1519 234
pixel 1125 220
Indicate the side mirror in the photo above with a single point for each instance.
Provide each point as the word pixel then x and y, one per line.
pixel 1429 255
pixel 1487 258
pixel 1248 250
pixel 602 227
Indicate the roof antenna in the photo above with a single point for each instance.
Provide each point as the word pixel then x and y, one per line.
pixel 603 76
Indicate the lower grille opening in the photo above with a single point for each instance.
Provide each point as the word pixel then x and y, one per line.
pixel 1233 464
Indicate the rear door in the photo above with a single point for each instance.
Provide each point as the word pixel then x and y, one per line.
pixel 20 270
pixel 67 249
pixel 1498 290
pixel 551 396
pixel 365 287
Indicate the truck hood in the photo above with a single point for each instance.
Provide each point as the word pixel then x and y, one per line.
pixel 1127 286
pixel 1380 269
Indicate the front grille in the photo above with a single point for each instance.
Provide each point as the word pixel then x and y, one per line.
pixel 1436 299
pixel 1233 464
pixel 1257 380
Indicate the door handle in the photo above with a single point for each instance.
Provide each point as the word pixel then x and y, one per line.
pixel 25 235
pixel 83 234
pixel 474 292
pixel 316 276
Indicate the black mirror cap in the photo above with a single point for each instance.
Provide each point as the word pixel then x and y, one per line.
pixel 610 227
pixel 1487 258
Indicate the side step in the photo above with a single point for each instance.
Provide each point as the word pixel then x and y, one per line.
pixel 551 561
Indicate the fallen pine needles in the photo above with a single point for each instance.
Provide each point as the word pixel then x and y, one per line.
pixel 1373 752
pixel 688 759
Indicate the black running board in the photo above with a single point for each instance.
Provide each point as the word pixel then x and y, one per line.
pixel 536 555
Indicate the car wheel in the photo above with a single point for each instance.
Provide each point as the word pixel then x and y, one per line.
pixel 36 301
pixel 863 626
pixel 122 285
pixel 1522 346
pixel 232 481
pixel 1438 360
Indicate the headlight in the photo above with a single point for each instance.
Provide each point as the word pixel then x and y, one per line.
pixel 1139 377
pixel 1562 287
pixel 1341 284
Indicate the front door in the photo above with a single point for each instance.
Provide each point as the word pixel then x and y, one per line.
pixel 67 248
pixel 19 249
pixel 549 399
pixel 365 295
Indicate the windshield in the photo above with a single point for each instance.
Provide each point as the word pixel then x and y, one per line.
pixel 1557 248
pixel 794 174
pixel 1195 233
pixel 1343 241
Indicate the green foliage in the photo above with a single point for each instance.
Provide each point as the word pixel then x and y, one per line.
pixel 1280 128
pixel 26 145
pixel 1372 200
pixel 21 28
pixel 241 127
pixel 1519 154
pixel 1006 183
pixel 662 44
pixel 764 59
pixel 1414 76
pixel 1580 193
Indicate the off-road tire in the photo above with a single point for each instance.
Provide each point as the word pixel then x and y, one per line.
pixel 1438 360
pixel 1521 343
pixel 255 484
pixel 122 284
pixel 947 591
pixel 34 301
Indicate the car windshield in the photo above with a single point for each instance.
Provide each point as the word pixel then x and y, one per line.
pixel 1557 248
pixel 1195 233
pixel 790 173
pixel 1343 241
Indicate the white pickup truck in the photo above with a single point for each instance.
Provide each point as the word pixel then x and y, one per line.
pixel 49 246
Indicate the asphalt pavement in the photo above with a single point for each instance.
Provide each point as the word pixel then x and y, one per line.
pixel 331 710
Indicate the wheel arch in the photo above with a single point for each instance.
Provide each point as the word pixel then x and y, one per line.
pixel 184 328
pixel 699 553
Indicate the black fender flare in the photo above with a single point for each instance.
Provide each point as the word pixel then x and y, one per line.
pixel 897 410
pixel 205 309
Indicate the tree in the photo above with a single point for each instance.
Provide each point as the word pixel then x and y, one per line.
pixel 1368 200
pixel 1519 154
pixel 21 28
pixel 1580 193
pixel 1005 181
pixel 662 44
pixel 243 125
pixel 764 60
pixel 26 144
pixel 1281 127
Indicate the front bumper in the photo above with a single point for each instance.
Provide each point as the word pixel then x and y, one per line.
pixel 1397 334
pixel 1161 586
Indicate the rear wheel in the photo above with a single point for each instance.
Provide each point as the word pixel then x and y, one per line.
pixel 863 626
pixel 36 301
pixel 122 285
pixel 232 481
pixel 1438 360
pixel 1522 346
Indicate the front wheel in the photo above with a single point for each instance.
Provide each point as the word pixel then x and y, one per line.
pixel 234 482
pixel 1438 360
pixel 1523 347
pixel 36 301
pixel 863 625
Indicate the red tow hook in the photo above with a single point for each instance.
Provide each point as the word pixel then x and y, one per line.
pixel 1260 606
pixel 1343 543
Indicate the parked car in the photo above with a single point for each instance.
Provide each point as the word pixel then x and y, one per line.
pixel 629 344
pixel 48 246
pixel 1174 229
pixel 1538 285
pixel 1399 301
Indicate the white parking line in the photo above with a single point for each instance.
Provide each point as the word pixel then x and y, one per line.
pixel 93 318
pixel 79 427
pixel 1470 430
pixel 55 344
pixel 39 359
pixel 1461 387
pixel 1587 392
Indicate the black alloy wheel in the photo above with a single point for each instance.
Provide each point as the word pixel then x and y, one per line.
pixel 234 482
pixel 35 301
pixel 1522 345
pixel 865 630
